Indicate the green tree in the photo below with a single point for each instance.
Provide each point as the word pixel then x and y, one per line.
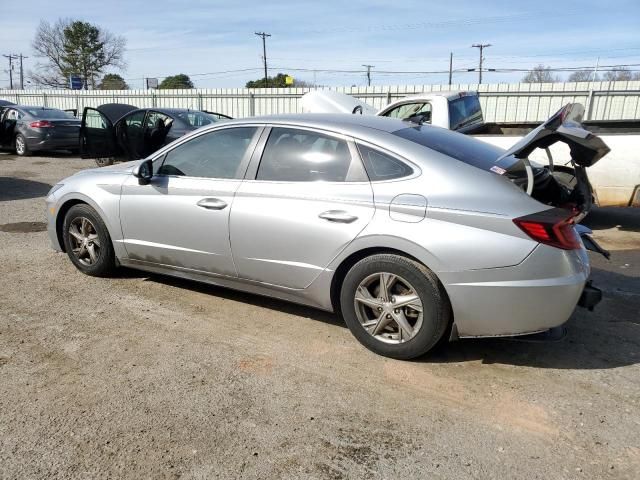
pixel 176 81
pixel 279 81
pixel 73 47
pixel 540 74
pixel 113 81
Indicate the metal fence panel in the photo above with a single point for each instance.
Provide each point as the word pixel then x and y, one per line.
pixel 518 102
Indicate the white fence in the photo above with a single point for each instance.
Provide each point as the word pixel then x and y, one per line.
pixel 518 102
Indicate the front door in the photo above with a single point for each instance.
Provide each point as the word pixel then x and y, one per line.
pixel 181 219
pixel 310 198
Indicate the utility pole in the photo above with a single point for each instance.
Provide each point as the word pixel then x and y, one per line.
pixel 264 53
pixel 22 72
pixel 369 67
pixel 450 67
pixel 481 47
pixel 11 59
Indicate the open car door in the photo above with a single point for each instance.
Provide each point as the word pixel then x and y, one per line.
pixel 97 137
pixel 97 132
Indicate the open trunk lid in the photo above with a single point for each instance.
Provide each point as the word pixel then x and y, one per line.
pixel 564 126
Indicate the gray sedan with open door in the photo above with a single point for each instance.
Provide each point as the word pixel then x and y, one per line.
pixel 413 233
pixel 27 129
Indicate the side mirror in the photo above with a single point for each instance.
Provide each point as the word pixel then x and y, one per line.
pixel 143 172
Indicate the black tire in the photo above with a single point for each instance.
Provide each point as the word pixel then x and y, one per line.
pixel 105 262
pixel 436 309
pixel 21 147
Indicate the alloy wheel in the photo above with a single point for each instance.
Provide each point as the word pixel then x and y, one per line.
pixel 388 307
pixel 85 242
pixel 20 146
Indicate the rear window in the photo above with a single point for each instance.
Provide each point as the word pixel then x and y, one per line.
pixel 456 145
pixel 46 113
pixel 464 111
pixel 197 119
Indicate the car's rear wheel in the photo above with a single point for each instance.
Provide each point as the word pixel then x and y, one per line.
pixel 22 149
pixel 87 241
pixel 394 306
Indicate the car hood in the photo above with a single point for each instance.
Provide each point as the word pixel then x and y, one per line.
pixel 124 167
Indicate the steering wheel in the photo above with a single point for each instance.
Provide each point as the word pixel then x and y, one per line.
pixel 357 109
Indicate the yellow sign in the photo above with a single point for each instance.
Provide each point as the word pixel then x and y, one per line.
pixel 288 80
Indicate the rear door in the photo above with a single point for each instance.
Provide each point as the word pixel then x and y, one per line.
pixel 302 203
pixel 8 125
pixel 97 135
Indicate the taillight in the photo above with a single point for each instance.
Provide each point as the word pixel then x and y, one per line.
pixel 41 124
pixel 553 227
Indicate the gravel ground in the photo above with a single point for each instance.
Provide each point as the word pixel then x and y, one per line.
pixel 148 377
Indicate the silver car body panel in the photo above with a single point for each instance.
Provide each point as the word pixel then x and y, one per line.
pixel 270 240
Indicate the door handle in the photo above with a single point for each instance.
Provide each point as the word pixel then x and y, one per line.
pixel 338 216
pixel 212 204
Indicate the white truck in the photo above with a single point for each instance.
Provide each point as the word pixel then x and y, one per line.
pixel 615 179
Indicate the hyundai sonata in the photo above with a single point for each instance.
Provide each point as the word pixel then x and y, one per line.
pixel 414 234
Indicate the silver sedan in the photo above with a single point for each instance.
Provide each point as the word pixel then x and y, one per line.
pixel 413 233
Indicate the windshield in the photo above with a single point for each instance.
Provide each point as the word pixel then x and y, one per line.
pixel 461 147
pixel 464 111
pixel 197 119
pixel 46 113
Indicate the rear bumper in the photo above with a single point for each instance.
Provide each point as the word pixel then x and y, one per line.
pixel 538 294
pixel 51 141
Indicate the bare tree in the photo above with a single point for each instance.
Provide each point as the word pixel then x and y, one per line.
pixel 620 74
pixel 583 76
pixel 540 74
pixel 72 47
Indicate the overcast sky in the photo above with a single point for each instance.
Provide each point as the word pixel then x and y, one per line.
pixel 199 37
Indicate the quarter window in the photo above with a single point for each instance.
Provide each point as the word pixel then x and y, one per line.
pixel 218 154
pixel 381 166
pixel 293 155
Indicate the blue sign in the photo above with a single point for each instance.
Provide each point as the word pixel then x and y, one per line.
pixel 76 83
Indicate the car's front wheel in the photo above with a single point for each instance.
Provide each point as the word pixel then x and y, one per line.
pixel 394 306
pixel 87 241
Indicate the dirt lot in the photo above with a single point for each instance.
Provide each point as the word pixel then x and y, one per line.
pixel 146 377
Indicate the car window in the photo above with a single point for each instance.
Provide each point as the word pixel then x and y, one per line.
pixel 94 119
pixel 461 147
pixel 197 119
pixel 293 155
pixel 411 109
pixel 216 154
pixel 464 111
pixel 381 166
pixel 45 113
pixel 12 115
pixel 133 123
pixel 158 120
